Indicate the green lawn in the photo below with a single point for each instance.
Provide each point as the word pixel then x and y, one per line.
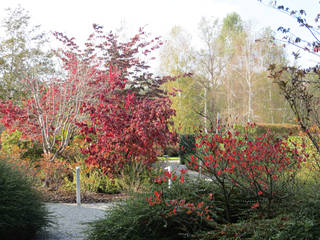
pixel 161 158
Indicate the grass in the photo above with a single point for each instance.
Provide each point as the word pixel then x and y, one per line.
pixel 170 159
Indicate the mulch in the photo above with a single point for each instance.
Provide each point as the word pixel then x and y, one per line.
pixel 66 196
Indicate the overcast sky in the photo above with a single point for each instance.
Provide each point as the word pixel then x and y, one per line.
pixel 75 17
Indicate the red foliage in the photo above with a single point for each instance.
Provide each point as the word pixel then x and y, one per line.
pixel 241 157
pixel 119 106
pixel 173 206
pixel 129 113
pixel 124 127
pixel 254 164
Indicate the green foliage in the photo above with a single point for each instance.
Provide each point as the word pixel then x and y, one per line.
pixel 20 54
pixel 186 147
pixel 176 59
pixel 137 220
pixel 93 180
pixel 303 142
pixel 12 142
pixel 171 151
pixel 136 177
pixel 295 218
pixel 277 130
pixel 21 209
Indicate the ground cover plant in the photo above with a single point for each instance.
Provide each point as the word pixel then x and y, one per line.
pixel 160 213
pixel 22 211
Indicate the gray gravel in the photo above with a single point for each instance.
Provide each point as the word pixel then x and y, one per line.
pixel 70 219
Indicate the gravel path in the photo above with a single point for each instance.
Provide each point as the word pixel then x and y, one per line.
pixel 69 219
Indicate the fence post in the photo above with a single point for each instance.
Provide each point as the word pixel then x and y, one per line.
pixel 169 180
pixel 78 185
pixel 168 168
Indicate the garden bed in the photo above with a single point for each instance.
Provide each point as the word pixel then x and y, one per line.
pixel 67 196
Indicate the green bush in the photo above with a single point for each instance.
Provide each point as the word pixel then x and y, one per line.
pixel 136 219
pixel 11 141
pixel 186 147
pixel 297 217
pixel 22 212
pixel 277 130
pixel 93 180
pixel 171 151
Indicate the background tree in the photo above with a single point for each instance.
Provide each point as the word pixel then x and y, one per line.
pixel 22 54
pixel 229 73
pixel 176 59
pixel 209 69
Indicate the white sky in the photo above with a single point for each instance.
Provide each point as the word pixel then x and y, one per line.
pixel 75 17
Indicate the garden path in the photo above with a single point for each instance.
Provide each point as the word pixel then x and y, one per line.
pixel 70 219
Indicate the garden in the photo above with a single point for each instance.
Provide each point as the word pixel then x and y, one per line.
pixel 107 113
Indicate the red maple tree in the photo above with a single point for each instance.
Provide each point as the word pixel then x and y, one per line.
pixel 108 92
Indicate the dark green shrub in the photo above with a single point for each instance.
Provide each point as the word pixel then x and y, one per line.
pixel 22 213
pixel 171 151
pixel 186 147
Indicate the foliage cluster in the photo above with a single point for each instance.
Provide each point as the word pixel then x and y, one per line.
pixel 162 213
pixel 21 208
pixel 246 181
pixel 92 180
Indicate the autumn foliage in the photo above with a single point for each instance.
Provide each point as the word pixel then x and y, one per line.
pixel 124 127
pixel 107 94
pixel 257 166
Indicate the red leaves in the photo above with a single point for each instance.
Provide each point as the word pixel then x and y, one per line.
pixel 183 170
pixel 154 200
pixel 256 205
pixel 246 161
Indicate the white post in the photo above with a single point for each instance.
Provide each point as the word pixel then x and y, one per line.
pixel 169 180
pixel 78 185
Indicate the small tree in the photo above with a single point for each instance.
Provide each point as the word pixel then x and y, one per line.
pixel 299 85
pixel 129 114
pixel 108 93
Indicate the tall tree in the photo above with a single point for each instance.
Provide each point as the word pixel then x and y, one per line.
pixel 210 67
pixel 22 54
pixel 177 59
